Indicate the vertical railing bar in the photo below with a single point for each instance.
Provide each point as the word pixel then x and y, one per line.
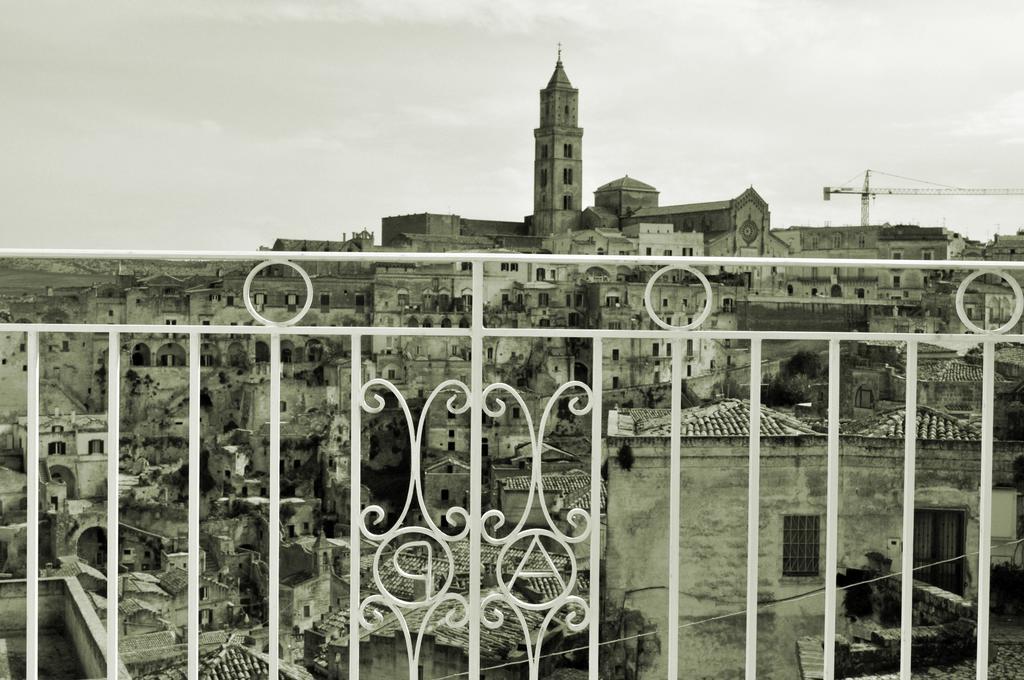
pixel 476 388
pixel 194 461
pixel 673 521
pixel 596 427
pixel 113 469
pixel 354 506
pixel 985 502
pixel 753 507
pixel 274 517
pixel 832 510
pixel 909 484
pixel 32 539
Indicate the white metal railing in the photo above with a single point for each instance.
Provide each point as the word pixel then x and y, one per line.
pixel 472 609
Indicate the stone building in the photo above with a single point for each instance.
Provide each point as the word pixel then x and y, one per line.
pixel 713 526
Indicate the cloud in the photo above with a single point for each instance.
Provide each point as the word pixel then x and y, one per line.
pixel 1003 118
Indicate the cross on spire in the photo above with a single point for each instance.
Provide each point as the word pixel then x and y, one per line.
pixel 559 51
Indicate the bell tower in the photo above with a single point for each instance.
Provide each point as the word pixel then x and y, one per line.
pixel 558 158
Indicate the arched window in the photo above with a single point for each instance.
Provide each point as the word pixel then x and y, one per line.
pixel 140 355
pixel 446 322
pixel 540 273
pixel 789 289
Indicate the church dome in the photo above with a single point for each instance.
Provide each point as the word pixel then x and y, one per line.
pixel 625 183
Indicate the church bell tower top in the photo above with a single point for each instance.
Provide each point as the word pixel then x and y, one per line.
pixel 558 79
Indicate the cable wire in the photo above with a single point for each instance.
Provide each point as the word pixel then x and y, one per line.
pixel 911 179
pixel 760 606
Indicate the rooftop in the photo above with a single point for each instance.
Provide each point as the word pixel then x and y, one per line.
pixel 953 370
pixel 626 182
pixel 931 424
pixel 726 418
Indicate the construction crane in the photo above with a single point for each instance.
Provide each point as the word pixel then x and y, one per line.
pixel 867 192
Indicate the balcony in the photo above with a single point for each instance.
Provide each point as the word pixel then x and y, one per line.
pixel 707 523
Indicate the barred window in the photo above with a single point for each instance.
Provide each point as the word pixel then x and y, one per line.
pixel 800 545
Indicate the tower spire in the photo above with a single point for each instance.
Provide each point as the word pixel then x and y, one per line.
pixel 559 52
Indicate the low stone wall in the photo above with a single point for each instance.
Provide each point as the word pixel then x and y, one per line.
pixel 932 606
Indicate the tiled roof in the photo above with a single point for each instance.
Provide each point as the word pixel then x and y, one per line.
pixel 141 582
pixel 931 424
pixel 570 480
pixel 572 486
pixel 952 371
pixel 137 643
pixel 129 607
pixel 174 580
pixel 230 661
pixel 626 182
pixel 726 418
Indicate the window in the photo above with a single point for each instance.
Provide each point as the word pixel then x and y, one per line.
pixel 897 254
pixel 655 349
pixel 204 593
pixel 837 241
pixel 860 241
pixel 567 150
pixel 544 151
pixel 230 301
pixel 928 254
pixel 615 355
pixel 95 446
pixel 259 299
pixel 543 177
pixel 57 448
pixel 360 300
pixel 305 610
pixel 541 274
pixel 800 545
pixel 615 382
pixel 325 302
pixel 567 203
pixel 648 251
pixel 895 282
pixel 667 252
pixel 566 175
pixel 444 494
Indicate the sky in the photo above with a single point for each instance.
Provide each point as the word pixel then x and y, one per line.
pixel 223 124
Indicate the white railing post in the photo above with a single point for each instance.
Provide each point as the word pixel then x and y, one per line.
pixel 909 482
pixel 194 463
pixel 832 510
pixel 476 390
pixel 113 470
pixel 354 505
pixel 274 517
pixel 753 507
pixel 673 512
pixel 32 539
pixel 596 436
pixel 985 503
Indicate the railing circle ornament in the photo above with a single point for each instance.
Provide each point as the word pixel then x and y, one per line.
pixel 247 298
pixel 1018 308
pixel 700 318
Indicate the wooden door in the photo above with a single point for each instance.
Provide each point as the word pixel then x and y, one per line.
pixel 938 540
